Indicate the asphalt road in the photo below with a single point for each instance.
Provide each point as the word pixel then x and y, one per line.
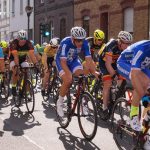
pixel 41 131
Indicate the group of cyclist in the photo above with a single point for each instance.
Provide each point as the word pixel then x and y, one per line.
pixel 77 55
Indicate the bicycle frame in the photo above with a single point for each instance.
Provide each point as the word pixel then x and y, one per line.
pixel 80 89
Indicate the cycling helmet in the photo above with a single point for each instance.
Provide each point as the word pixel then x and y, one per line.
pixel 53 42
pixel 22 34
pixel 3 44
pixel 125 36
pixel 99 34
pixel 78 33
pixel 58 40
pixel 44 44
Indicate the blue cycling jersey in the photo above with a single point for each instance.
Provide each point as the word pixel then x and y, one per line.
pixel 138 55
pixel 69 51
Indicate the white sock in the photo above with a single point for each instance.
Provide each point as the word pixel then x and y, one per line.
pixel 104 107
pixel 60 100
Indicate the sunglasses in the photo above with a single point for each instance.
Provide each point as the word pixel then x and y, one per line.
pixel 54 47
pixel 79 40
pixel 125 43
pixel 99 40
pixel 23 38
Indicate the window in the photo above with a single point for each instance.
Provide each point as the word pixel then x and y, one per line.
pixel 5 9
pixel 0 11
pixel 42 1
pixel 62 28
pixel 21 7
pixel 128 19
pixel 86 20
pixel 13 7
pixel 51 29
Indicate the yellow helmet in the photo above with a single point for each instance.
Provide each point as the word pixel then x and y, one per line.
pixel 3 44
pixel 99 34
pixel 37 45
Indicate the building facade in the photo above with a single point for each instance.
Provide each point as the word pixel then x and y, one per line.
pixel 4 20
pixel 56 16
pixel 18 17
pixel 114 16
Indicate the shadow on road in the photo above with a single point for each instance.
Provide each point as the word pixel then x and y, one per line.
pixel 71 142
pixel 49 110
pixel 19 121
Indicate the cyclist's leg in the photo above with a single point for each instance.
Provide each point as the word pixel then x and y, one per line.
pixel 107 81
pixel 77 68
pixel 46 74
pixel 66 82
pixel 14 77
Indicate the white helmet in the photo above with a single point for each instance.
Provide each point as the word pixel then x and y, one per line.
pixel 53 42
pixel 22 34
pixel 125 36
pixel 78 33
pixel 44 44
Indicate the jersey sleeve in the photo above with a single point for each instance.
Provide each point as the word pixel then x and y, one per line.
pixel 138 58
pixel 63 51
pixel 86 49
pixel 108 48
pixel 1 53
pixel 13 45
pixel 30 46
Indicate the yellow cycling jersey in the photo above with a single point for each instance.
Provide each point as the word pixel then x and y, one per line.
pixel 49 51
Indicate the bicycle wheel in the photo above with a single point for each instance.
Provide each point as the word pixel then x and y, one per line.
pixel 65 120
pixel 123 135
pixel 87 116
pixel 34 77
pixel 29 96
pixel 17 98
pixel 55 87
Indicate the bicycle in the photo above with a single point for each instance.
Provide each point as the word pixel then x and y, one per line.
pixel 54 83
pixel 123 134
pixel 115 93
pixel 24 89
pixel 82 105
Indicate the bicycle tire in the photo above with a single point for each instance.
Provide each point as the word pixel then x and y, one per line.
pixel 122 125
pixel 88 97
pixel 17 98
pixel 31 92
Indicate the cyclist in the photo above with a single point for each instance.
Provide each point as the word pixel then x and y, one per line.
pixel 19 48
pixel 96 43
pixel 48 61
pixel 107 64
pixel 134 65
pixel 67 61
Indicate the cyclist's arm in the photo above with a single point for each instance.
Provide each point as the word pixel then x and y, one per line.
pixel 15 55
pixel 108 64
pixel 44 60
pixel 63 58
pixel 90 64
pixel 32 56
